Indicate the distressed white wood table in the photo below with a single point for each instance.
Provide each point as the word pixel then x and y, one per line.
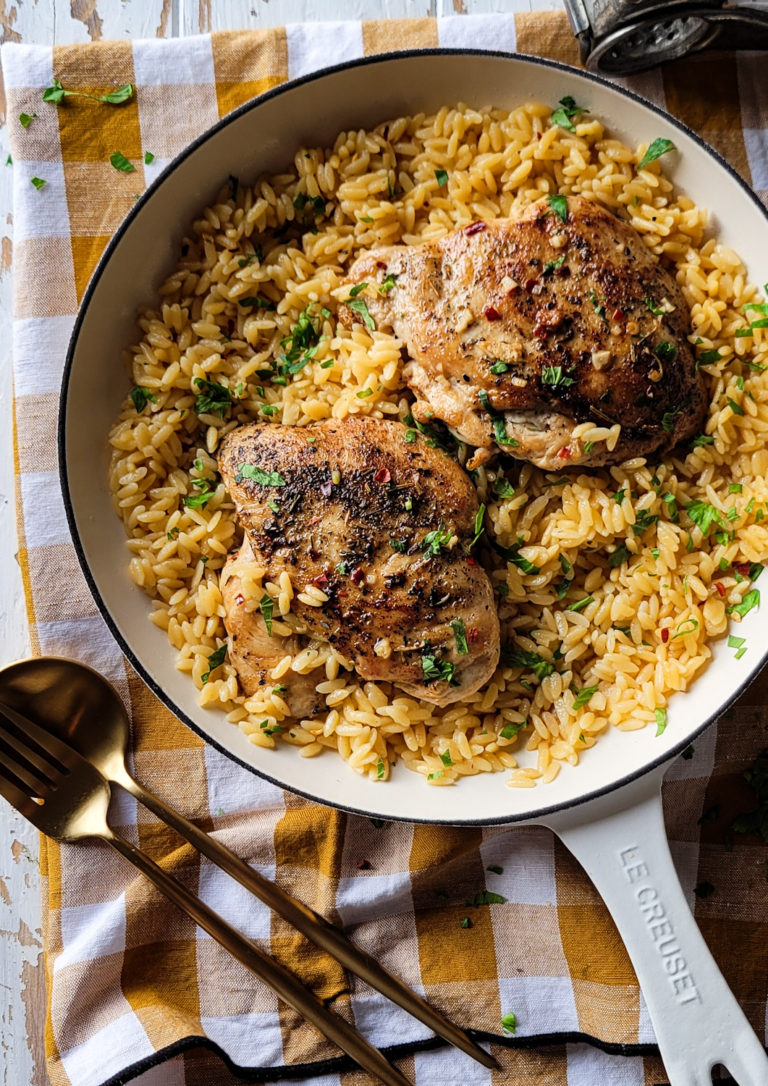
pixel 60 22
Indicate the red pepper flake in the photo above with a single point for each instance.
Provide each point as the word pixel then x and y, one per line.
pixel 364 865
pixel 742 567
pixel 473 633
pixel 322 579
pixel 565 454
pixel 618 315
pixel 538 135
pixel 239 599
pixel 357 576
pixel 383 475
pixel 665 634
pixel 471 561
pixel 720 588
pixel 475 228
pixel 541 331
pixel 491 313
pixel 381 264
pixel 314 520
pixel 530 284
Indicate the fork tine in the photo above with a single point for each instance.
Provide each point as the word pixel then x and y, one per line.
pixel 17 798
pixel 23 772
pixel 25 738
pixel 60 754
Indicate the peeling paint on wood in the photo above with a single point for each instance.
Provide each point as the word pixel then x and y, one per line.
pixel 5 894
pixel 166 20
pixel 7 21
pixel 85 11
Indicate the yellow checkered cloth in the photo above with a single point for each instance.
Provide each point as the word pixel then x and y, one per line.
pixel 132 984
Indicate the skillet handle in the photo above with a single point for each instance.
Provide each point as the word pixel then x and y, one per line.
pixel 621 842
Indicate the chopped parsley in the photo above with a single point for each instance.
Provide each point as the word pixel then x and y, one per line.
pixel 564 585
pixel 620 495
pixel 256 301
pixel 442 177
pixel 584 695
pixel 708 358
pixel 141 397
pixel 553 265
pixel 651 305
pixel 736 408
pixel 750 601
pixel 499 367
pixel 460 636
pixel 499 427
pixel 559 205
pixel 580 604
pixel 149 158
pixel 216 659
pixel 619 556
pixel 25 119
pixel 120 162
pixel 702 439
pixel 672 510
pixel 445 758
pixel 267 607
pixel 479 529
pixel 555 377
pixel 433 668
pixel 436 541
pixel 380 770
pixel 213 399
pixel 509 731
pixel 512 554
pixel 300 346
pixel 531 661
pixel 57 93
pixel 704 516
pixel 661 721
pixel 258 475
pixel 388 284
pixel 207 488
pixel 503 488
pixel 487 897
pixel 359 306
pixel 38 182
pixel 565 112
pixel 656 149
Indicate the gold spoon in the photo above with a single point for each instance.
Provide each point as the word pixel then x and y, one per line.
pixel 78 705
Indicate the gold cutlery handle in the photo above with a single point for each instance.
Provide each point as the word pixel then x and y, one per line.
pixel 275 975
pixel 311 924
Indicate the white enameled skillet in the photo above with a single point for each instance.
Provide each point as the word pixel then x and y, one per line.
pixel 608 809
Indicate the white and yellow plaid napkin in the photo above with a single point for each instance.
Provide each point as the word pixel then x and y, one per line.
pixel 132 984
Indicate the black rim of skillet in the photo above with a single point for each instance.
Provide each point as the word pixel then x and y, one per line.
pixel 284 88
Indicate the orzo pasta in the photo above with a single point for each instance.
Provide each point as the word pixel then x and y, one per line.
pixel 621 577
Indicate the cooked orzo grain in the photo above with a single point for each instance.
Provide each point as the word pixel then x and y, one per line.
pixel 620 578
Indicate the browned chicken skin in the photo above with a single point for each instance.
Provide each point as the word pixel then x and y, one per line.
pixel 521 329
pixel 253 650
pixel 365 512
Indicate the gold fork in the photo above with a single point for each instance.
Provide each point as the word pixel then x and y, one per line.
pixel 67 799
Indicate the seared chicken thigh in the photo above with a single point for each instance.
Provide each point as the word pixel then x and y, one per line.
pixel 521 329
pixel 364 511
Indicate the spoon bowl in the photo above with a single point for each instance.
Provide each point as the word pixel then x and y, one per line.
pixel 76 704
